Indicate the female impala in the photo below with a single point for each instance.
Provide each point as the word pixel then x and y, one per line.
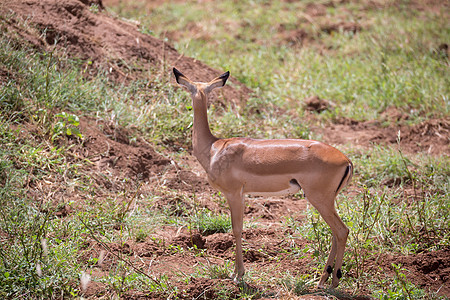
pixel 238 166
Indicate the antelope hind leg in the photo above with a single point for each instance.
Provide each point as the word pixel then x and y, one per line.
pixel 340 234
pixel 329 265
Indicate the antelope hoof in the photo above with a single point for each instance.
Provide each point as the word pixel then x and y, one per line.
pixel 324 277
pixel 238 281
pixel 334 283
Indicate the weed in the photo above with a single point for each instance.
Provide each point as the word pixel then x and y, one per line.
pixel 298 285
pixel 141 235
pixel 67 124
pixel 400 288
pixel 94 8
pixel 215 271
pixel 319 233
pixel 208 223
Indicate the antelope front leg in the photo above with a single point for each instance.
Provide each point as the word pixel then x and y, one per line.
pixel 236 203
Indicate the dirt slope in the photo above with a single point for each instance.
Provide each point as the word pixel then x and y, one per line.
pixel 106 42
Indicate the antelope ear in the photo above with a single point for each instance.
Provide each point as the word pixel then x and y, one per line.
pixel 217 82
pixel 184 81
pixel 178 74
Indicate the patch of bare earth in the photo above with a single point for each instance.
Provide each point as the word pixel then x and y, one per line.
pixel 428 270
pixel 266 250
pixel 430 136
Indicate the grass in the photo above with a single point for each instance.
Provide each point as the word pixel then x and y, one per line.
pixel 210 223
pixel 398 202
pixel 364 73
pixel 30 260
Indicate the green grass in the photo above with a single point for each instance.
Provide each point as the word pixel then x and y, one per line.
pixel 25 224
pixel 208 223
pixel 398 202
pixel 392 61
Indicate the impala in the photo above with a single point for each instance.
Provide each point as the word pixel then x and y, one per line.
pixel 239 166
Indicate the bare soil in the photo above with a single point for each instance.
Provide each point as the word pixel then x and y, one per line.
pixel 430 136
pixel 110 157
pixel 428 270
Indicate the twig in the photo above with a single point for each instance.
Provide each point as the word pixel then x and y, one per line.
pixel 132 199
pixel 107 248
pixel 402 281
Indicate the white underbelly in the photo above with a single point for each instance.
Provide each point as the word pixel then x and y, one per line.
pixel 293 188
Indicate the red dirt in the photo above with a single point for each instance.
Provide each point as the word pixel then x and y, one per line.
pixel 106 41
pixel 263 252
pixel 428 270
pixel 316 104
pixel 111 152
pixel 431 136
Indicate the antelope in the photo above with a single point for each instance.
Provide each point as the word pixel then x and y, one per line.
pixel 244 166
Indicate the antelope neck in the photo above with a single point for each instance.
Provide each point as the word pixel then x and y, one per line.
pixel 202 138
